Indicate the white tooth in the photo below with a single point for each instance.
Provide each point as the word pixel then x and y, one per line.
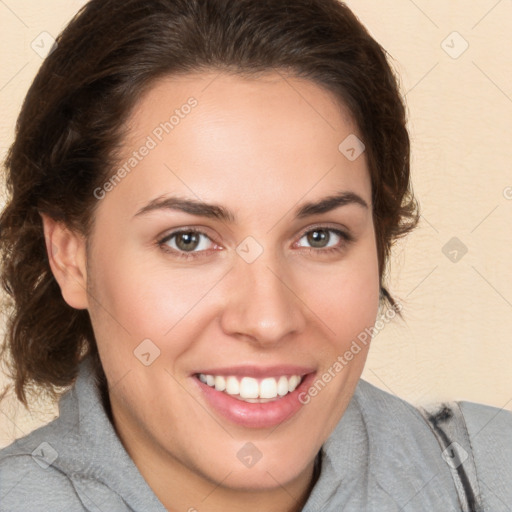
pixel 202 377
pixel 249 388
pixel 232 386
pixel 210 380
pixel 268 388
pixel 293 382
pixel 220 383
pixel 282 386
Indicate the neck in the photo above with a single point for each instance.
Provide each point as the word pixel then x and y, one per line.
pixel 180 488
pixel 187 493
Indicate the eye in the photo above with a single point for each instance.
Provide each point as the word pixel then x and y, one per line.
pixel 324 239
pixel 190 243
pixel 185 241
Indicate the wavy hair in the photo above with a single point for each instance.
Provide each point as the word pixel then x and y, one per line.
pixel 73 121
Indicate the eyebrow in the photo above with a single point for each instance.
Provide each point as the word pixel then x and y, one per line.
pixel 215 211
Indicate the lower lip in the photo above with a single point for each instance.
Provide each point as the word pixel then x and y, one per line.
pixel 255 415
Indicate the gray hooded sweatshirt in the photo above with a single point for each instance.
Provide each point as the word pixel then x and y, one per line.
pixel 382 456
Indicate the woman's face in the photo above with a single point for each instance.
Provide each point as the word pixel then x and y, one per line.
pixel 260 286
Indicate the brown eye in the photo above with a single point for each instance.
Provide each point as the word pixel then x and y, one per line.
pixel 187 241
pixel 318 238
pixel 324 239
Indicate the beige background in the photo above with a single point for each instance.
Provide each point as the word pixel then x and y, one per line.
pixel 455 343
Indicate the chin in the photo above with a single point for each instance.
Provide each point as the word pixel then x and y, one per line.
pixel 262 479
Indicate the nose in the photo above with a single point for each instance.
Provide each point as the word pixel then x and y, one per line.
pixel 263 303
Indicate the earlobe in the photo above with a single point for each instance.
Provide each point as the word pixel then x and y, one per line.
pixel 66 251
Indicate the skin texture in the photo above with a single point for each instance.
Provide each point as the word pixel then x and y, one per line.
pixel 262 148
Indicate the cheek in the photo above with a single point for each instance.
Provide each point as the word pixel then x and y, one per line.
pixel 346 297
pixel 139 296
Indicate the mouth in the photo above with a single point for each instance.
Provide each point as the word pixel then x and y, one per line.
pixel 252 397
pixel 250 389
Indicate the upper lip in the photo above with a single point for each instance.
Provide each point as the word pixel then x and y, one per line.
pixel 259 371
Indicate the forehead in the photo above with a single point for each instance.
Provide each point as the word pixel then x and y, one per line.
pixel 213 134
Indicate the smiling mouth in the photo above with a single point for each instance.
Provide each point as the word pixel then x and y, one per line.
pixel 250 389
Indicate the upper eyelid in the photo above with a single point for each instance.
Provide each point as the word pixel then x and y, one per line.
pixel 326 227
pixel 175 232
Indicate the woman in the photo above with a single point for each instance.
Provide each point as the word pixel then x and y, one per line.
pixel 204 194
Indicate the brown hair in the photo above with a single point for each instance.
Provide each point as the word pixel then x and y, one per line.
pixel 73 117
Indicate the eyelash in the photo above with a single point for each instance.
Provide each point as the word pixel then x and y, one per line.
pixel 346 238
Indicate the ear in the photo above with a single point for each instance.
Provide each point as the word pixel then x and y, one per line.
pixel 67 256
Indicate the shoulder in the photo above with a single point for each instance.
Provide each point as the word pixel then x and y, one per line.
pixel 490 434
pixel 73 463
pixel 396 452
pixel 485 423
pixel 484 430
pixel 489 428
pixel 29 479
pixel 488 424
